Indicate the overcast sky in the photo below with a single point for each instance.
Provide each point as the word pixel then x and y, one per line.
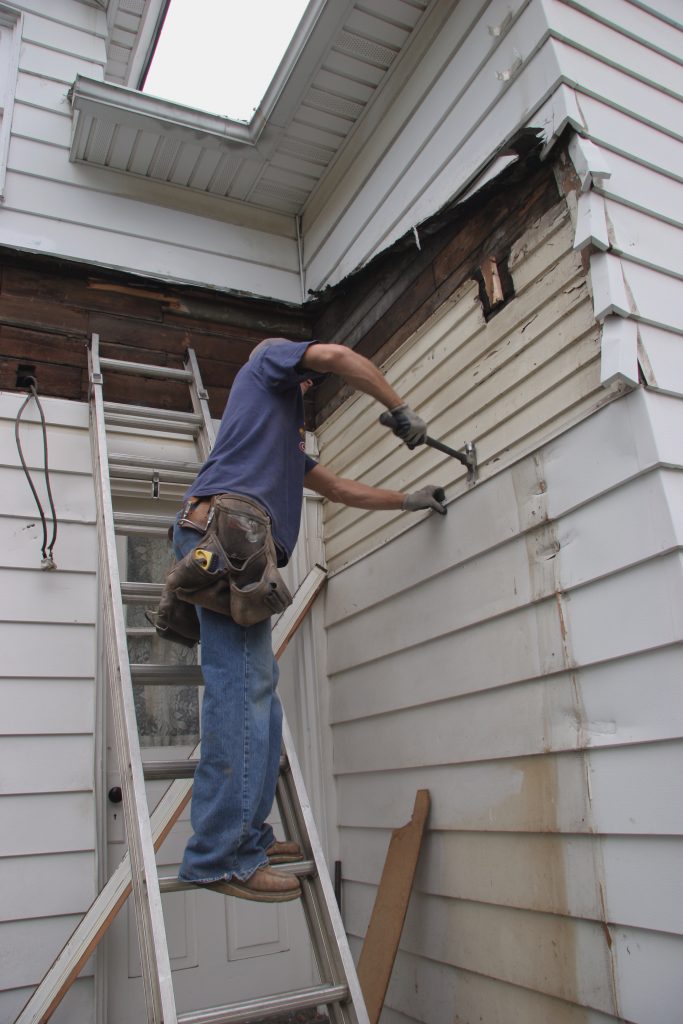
pixel 220 55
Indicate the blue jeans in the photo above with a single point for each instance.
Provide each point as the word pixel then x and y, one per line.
pixel 241 733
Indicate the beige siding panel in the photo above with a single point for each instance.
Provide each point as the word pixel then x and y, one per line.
pixel 519 379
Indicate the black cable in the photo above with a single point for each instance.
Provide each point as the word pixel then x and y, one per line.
pixel 48 561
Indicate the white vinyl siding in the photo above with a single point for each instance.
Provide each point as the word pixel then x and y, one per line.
pixel 488 71
pixel 625 64
pixel 116 220
pixel 521 659
pixel 48 867
pixel 10 39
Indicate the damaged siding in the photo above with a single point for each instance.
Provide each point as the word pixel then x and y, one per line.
pixel 625 63
pixel 48 869
pixel 508 385
pixel 521 659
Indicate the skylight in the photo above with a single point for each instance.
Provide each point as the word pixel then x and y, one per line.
pixel 220 55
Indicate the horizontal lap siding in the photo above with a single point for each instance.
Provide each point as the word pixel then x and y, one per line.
pixel 506 385
pixel 47 701
pixel 110 219
pixel 626 65
pixel 521 659
pixel 422 147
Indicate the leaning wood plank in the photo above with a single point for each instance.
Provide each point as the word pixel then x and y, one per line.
pixel 80 946
pixel 381 941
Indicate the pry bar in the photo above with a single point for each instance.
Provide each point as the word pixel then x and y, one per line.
pixel 468 457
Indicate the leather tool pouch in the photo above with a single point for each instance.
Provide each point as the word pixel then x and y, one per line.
pixel 233 570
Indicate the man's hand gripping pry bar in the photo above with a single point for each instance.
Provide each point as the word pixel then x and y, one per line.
pixel 395 420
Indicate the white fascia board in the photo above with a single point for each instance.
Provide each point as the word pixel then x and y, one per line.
pixel 619 352
pixel 147 38
pixel 306 48
pixel 96 98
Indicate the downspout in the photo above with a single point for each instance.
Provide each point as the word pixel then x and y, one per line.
pixel 300 250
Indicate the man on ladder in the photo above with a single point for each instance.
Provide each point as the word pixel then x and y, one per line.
pixel 238 524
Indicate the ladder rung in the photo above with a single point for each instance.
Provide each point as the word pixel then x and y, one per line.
pixel 152 413
pixel 166 675
pixel 145 370
pixel 141 593
pixel 267 1006
pixel 158 465
pixel 300 868
pixel 137 522
pixel 124 471
pixel 155 771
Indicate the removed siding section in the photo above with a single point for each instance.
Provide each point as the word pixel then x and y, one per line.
pixel 113 220
pixel 508 384
pixel 48 868
pixel 521 659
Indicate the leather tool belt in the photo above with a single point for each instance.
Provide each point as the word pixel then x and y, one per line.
pixel 233 570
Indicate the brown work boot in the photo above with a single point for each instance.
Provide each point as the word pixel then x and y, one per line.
pixel 284 852
pixel 265 885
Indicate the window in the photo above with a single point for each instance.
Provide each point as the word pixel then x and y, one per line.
pixel 10 36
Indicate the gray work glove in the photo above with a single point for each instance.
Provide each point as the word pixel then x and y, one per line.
pixel 405 424
pixel 427 497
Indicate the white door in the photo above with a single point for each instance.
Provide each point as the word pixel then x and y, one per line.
pixel 222 950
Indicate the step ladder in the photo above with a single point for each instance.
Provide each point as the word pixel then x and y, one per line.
pixel 338 991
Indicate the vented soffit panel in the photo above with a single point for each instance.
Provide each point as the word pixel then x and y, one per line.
pixel 334 68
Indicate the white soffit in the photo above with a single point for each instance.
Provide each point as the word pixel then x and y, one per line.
pixel 334 66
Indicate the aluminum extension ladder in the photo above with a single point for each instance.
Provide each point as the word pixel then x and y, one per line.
pixel 338 991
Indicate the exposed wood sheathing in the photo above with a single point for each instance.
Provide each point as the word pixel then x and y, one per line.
pixel 48 310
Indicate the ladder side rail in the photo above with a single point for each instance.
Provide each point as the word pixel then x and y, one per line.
pixel 200 404
pixel 297 810
pixel 154 955
pixel 87 934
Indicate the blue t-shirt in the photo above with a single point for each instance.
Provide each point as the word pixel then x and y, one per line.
pixel 260 446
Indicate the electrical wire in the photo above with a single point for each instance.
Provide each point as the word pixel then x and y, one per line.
pixel 48 561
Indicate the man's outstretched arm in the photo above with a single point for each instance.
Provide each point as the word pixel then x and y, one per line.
pixel 358 495
pixel 364 376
